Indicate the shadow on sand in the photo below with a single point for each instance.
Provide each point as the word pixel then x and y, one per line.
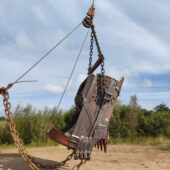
pixel 16 162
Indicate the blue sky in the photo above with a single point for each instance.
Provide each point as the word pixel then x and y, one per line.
pixel 134 37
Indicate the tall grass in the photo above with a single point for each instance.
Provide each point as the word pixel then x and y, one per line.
pixel 2 123
pixel 141 141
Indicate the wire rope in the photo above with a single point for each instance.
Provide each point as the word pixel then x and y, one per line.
pixel 52 49
pixel 82 46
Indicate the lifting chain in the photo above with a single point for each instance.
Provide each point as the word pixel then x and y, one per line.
pixel 100 79
pixel 91 50
pixel 19 144
pixel 98 49
pixel 77 167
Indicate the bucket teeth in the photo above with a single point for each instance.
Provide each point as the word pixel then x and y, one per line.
pixel 105 145
pixel 101 145
pixel 97 145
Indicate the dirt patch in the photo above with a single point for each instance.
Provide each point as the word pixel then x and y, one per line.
pixel 119 157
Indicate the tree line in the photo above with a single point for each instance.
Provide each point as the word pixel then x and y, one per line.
pixel 128 121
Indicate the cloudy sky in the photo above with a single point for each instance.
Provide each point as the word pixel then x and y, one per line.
pixel 134 37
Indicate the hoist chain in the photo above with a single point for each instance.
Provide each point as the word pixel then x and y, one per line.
pixel 100 79
pixel 98 49
pixel 19 144
pixel 91 50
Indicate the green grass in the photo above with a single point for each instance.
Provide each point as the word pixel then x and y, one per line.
pixel 141 141
pixel 165 147
pixel 2 123
pixel 33 144
pixel 161 143
pixel 6 146
pixel 40 144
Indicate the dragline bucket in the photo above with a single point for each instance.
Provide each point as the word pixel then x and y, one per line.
pixel 94 102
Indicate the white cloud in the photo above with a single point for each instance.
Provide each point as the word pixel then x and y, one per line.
pixel 133 45
pixel 53 88
pixel 51 106
pixel 81 78
pixel 147 83
pixel 154 95
pixel 23 42
pixel 74 85
pixel 71 89
pixel 126 73
pixel 1 112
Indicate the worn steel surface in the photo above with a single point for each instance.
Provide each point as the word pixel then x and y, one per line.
pixel 93 116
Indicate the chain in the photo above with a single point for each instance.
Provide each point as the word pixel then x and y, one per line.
pixel 96 39
pixel 19 144
pixel 98 49
pixel 100 79
pixel 102 69
pixel 77 167
pixel 57 166
pixel 91 50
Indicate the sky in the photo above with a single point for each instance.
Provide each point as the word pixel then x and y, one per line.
pixel 134 36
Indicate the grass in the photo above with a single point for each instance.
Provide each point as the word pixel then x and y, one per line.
pixel 2 123
pixel 33 144
pixel 166 148
pixel 161 143
pixel 6 146
pixel 141 141
pixel 40 144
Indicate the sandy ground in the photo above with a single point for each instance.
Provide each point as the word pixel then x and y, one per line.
pixel 119 157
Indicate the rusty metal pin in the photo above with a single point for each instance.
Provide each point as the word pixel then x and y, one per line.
pixel 101 145
pixel 105 146
pixel 97 145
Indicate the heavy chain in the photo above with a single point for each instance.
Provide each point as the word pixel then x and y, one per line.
pixel 77 167
pixel 18 142
pixel 91 50
pixel 102 68
pixel 57 166
pixel 14 132
pixel 100 79
pixel 98 49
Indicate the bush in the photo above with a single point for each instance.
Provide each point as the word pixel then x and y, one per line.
pixel 128 122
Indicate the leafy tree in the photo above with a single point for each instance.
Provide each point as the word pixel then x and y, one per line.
pixel 161 108
pixel 133 101
pixel 127 121
pixel 2 118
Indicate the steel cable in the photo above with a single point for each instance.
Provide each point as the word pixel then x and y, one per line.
pixel 82 46
pixel 46 54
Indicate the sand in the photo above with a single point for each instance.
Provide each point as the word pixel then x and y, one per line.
pixel 119 157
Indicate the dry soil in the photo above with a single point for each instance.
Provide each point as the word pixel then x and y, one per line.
pixel 119 157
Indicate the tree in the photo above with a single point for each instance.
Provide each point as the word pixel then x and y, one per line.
pixel 133 101
pixel 161 108
pixel 2 118
pixel 132 116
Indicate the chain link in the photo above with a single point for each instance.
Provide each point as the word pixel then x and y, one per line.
pixel 100 79
pixel 19 144
pixel 98 49
pixel 102 68
pixel 91 50
pixel 77 167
